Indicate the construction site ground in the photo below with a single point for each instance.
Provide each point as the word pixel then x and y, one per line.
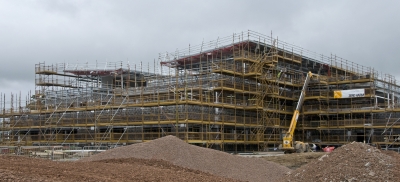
pixel 16 168
pixel 170 159
pixel 295 160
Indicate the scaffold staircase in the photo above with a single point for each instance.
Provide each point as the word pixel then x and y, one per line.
pixel 268 85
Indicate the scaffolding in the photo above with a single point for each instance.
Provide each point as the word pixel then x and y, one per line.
pixel 236 93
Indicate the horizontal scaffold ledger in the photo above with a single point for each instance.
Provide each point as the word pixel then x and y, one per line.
pixel 237 94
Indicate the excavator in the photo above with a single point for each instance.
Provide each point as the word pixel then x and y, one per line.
pixel 288 145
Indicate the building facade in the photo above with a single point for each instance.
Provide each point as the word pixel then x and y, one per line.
pixel 236 93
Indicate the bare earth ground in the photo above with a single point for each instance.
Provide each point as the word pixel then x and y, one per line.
pixel 16 168
pixel 163 159
pixel 169 159
pixel 295 160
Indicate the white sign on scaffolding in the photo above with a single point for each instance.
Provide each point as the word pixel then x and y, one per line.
pixel 349 93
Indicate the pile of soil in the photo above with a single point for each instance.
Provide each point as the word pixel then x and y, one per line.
pixel 351 162
pixel 17 168
pixel 179 153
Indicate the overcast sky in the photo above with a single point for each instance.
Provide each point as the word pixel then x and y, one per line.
pixel 54 31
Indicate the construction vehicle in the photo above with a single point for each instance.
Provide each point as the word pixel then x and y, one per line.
pixel 288 145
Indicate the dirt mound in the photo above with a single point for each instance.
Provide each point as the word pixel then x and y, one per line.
pixel 16 168
pixel 179 153
pixel 351 162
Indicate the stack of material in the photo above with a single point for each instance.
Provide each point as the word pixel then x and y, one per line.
pixel 351 162
pixel 179 153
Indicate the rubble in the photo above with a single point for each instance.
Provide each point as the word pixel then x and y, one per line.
pixel 351 162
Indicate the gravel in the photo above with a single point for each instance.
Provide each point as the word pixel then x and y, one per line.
pixel 177 152
pixel 351 162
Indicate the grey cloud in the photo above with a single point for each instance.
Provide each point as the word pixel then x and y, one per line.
pixel 85 31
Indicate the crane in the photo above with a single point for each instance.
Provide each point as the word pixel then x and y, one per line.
pixel 288 145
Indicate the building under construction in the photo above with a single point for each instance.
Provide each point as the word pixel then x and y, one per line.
pixel 235 93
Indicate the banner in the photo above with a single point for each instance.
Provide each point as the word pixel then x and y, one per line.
pixel 348 93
